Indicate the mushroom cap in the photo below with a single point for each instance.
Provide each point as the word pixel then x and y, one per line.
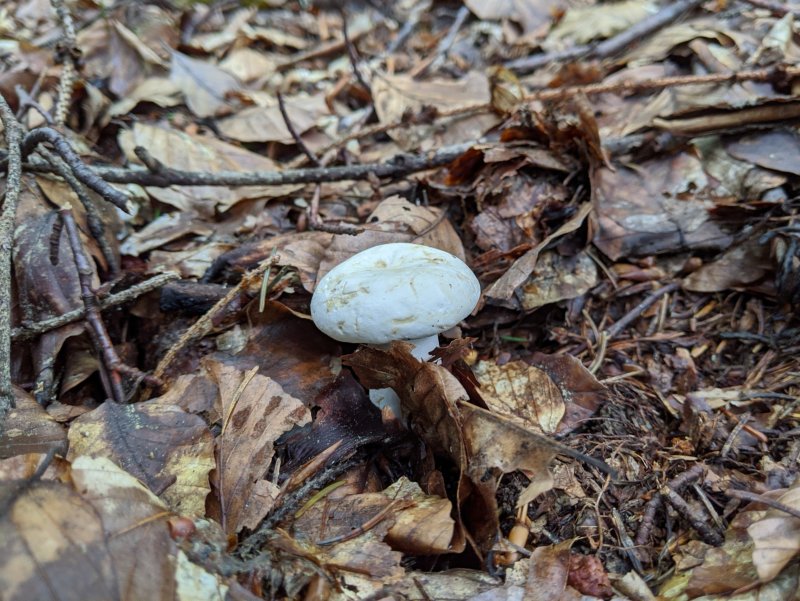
pixel 392 292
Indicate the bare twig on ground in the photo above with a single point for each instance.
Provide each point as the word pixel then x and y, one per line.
pixel 293 131
pixel 97 330
pixel 352 54
pixel 316 222
pixel 695 517
pixel 746 495
pixel 28 331
pixel 437 58
pixel 8 215
pixel 657 501
pixel 611 46
pixel 398 166
pixel 96 226
pixel 68 53
pixel 81 171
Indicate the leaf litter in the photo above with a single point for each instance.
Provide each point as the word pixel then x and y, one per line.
pixel 617 418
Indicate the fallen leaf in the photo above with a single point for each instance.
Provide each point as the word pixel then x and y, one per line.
pixel 255 413
pixel 581 25
pixel 558 278
pixel 266 123
pixel 776 537
pixel 29 429
pixel 169 450
pixel 401 96
pixel 523 393
pixel 743 264
pixel 205 86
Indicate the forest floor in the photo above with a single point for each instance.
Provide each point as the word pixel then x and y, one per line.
pixel 617 418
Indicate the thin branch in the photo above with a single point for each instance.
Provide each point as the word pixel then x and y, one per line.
pixel 7 219
pixel 443 48
pixel 295 135
pixel 81 171
pixel 28 331
pixel 746 495
pixel 611 46
pixel 96 226
pixel 398 166
pixel 352 53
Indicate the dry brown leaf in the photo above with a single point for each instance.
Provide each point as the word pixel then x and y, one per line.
pixel 503 289
pixel 423 528
pixel 776 537
pixel 523 393
pixel 558 278
pixel 180 150
pixel 400 96
pixel 531 16
pixel 742 264
pixel 255 413
pixel 29 429
pixel 205 86
pixel 164 229
pixel 287 349
pixel 134 524
pixel 658 207
pixel 584 24
pixel 169 450
pixel 248 64
pixel 55 547
pixel 266 123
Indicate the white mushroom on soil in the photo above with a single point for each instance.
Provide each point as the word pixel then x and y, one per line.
pixel 394 292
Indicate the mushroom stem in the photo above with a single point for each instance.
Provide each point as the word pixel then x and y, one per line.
pixel 386 397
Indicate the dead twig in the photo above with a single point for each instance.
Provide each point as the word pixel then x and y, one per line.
pixel 7 219
pixel 398 166
pixel 438 57
pixel 96 226
pixel 31 330
pixel 293 131
pixel 316 222
pixel 611 46
pixel 746 495
pixel 81 171
pixel 352 54
pixel 97 330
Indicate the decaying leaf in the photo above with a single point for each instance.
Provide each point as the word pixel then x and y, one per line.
pixel 180 150
pixel 776 537
pixel 523 393
pixel 558 278
pixel 403 97
pixel 255 413
pixel 169 450
pixel 30 429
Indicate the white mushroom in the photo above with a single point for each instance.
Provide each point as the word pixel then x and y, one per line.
pixel 394 292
